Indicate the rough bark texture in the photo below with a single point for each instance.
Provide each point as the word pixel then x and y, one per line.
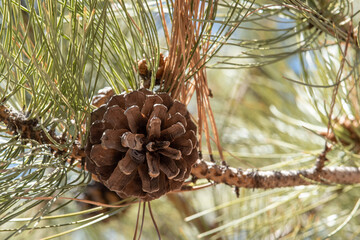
pixel 18 123
pixel 274 179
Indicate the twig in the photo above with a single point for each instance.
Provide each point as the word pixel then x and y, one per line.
pixel 320 161
pixel 18 123
pixel 337 25
pixel 275 179
pixel 99 204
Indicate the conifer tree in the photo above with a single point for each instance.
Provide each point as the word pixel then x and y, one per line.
pixel 231 119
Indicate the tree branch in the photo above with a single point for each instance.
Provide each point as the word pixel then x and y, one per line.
pixel 338 25
pixel 275 179
pixel 18 123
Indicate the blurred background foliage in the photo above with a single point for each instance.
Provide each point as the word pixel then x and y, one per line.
pixel 281 75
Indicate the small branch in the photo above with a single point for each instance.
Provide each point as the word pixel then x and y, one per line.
pixel 275 179
pixel 95 203
pixel 320 161
pixel 337 24
pixel 18 123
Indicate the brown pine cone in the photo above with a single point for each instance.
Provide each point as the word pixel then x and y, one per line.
pixel 97 192
pixel 346 131
pixel 145 73
pixel 141 144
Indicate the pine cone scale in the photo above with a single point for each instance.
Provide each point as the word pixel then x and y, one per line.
pixel 189 159
pixel 150 101
pixel 176 185
pixel 98 114
pixel 133 141
pixel 173 132
pixel 135 119
pixel 184 145
pixel 135 98
pixel 159 111
pixel 182 166
pixel 137 156
pixel 133 189
pixel 157 145
pixel 97 131
pixel 154 128
pixel 103 158
pixel 127 165
pixel 118 180
pixel 178 107
pixel 167 100
pixel 116 118
pixel 153 163
pixel 117 100
pixel 168 167
pixel 177 117
pixel 190 134
pixel 171 153
pixel 104 172
pixel 111 139
pixel 149 184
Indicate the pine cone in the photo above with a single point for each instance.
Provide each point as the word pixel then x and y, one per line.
pixel 145 73
pixel 97 192
pixel 141 144
pixel 346 131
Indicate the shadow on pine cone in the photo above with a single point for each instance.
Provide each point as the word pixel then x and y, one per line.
pixel 141 144
pixel 97 192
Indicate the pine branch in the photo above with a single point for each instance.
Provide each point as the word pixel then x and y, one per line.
pixel 338 25
pixel 250 178
pixel 18 123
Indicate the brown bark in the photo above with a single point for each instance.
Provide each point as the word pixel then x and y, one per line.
pixel 18 124
pixel 250 178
